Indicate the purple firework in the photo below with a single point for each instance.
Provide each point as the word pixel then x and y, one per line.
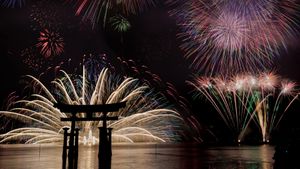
pixel 229 36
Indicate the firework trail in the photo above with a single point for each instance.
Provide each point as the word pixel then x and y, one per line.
pixel 50 43
pixel 273 98
pixel 231 36
pixel 129 68
pixel 146 118
pixel 136 6
pixel 167 90
pixel 12 3
pixel 245 98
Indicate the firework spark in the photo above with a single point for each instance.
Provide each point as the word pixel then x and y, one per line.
pixel 44 14
pixel 51 43
pixel 31 58
pixel 222 36
pixel 246 98
pixel 146 118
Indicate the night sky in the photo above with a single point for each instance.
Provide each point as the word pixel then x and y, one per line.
pixel 151 41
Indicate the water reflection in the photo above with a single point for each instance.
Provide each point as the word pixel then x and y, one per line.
pixel 146 156
pixel 88 157
pixel 264 155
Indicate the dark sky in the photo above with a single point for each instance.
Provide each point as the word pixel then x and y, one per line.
pixel 151 41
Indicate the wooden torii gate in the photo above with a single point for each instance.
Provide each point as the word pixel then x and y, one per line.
pixel 71 150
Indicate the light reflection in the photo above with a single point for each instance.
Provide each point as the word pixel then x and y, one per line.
pixel 264 152
pixel 90 139
pixel 145 156
pixel 88 157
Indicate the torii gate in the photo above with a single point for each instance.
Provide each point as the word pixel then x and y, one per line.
pixel 104 152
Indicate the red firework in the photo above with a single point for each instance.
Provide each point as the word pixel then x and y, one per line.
pixel 51 43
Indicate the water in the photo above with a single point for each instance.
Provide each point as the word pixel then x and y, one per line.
pixel 142 156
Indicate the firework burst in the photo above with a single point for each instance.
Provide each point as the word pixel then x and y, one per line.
pixel 241 99
pixel 223 36
pixel 50 43
pixel 95 10
pixel 120 24
pixel 146 118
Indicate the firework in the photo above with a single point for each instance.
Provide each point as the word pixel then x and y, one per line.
pixel 94 10
pixel 120 24
pixel 223 36
pixel 246 98
pixel 136 6
pixel 43 15
pixel 147 116
pixel 12 3
pixel 273 99
pixel 167 90
pixel 50 43
pixel 31 58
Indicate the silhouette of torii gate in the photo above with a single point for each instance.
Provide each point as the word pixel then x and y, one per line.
pixel 71 150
